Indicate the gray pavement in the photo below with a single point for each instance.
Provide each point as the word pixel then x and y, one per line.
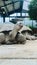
pixel 18 62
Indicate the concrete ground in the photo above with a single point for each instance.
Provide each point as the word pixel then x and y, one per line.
pixel 18 62
pixel 19 54
pixel 21 51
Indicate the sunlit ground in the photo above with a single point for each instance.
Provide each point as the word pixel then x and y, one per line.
pixel 19 54
pixel 28 50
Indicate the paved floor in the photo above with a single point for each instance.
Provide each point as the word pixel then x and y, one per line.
pixel 18 62
pixel 19 54
pixel 26 51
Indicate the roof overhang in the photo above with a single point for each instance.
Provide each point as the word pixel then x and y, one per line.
pixel 8 7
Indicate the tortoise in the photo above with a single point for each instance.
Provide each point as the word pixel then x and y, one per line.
pixel 20 38
pixel 5 28
pixel 28 33
pixel 2 38
pixel 15 33
pixel 15 36
pixel 9 33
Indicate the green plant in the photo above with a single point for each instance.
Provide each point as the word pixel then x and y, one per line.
pixel 33 10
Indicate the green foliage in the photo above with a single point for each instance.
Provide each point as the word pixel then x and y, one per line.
pixel 33 10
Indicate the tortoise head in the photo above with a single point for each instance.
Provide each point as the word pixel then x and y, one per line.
pixel 18 26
